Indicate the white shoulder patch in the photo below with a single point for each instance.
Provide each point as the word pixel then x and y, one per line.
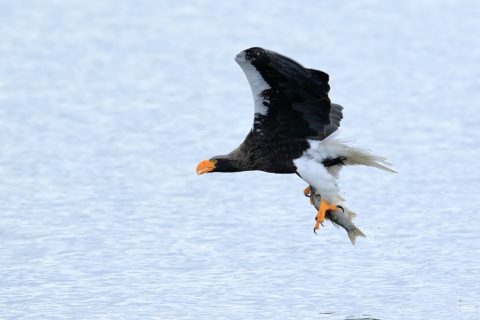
pixel 257 83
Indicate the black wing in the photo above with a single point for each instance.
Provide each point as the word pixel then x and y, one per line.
pixel 292 99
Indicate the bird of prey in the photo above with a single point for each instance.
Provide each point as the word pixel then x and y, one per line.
pixel 293 129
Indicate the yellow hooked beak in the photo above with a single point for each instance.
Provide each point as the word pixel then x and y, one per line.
pixel 206 166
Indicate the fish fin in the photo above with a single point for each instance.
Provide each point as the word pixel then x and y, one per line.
pixel 349 213
pixel 354 233
pixel 335 224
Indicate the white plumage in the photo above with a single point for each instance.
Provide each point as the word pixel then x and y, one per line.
pixel 256 82
pixel 293 129
pixel 324 179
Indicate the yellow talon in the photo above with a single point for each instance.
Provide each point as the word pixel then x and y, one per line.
pixel 322 210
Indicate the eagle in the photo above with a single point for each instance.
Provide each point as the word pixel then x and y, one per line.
pixel 294 129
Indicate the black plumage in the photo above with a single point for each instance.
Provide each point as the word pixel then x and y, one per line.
pixel 293 119
pixel 298 109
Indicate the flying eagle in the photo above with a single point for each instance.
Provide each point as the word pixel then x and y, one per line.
pixel 293 128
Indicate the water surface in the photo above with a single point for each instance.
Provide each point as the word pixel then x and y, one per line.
pixel 106 108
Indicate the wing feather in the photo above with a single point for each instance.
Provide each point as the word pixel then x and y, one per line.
pixel 292 99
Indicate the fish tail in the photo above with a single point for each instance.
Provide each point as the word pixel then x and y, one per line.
pixel 354 233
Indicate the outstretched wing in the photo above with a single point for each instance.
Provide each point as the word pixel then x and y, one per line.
pixel 290 99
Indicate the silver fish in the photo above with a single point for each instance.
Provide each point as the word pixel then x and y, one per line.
pixel 342 217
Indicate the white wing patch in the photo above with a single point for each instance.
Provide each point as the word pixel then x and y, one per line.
pixel 257 83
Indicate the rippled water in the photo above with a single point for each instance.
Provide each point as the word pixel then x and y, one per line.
pixel 106 107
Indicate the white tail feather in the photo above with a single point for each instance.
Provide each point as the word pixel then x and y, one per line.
pixel 358 156
pixel 332 148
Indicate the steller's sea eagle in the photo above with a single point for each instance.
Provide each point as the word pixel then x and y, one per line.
pixel 293 129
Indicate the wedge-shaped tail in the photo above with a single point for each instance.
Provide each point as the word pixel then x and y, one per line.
pixel 358 156
pixel 332 149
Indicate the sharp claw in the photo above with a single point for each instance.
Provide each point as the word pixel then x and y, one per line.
pixel 314 230
pixel 341 208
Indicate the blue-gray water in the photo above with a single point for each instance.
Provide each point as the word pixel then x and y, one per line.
pixel 107 106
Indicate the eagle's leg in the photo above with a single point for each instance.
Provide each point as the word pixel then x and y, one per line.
pixel 308 193
pixel 322 210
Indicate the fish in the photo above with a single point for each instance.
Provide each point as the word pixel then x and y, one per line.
pixel 342 217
